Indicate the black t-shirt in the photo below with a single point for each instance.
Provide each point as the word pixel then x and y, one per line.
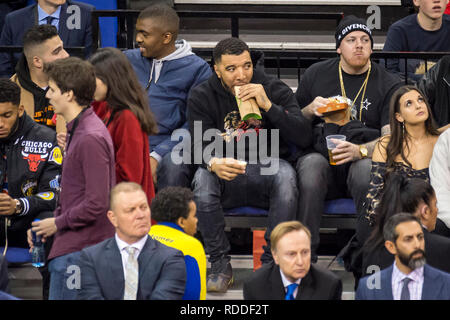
pixel 322 79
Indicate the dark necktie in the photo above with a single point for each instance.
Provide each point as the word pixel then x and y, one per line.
pixel 290 291
pixel 405 290
pixel 50 19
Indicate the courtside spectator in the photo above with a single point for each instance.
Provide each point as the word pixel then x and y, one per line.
pixel 426 31
pixel 435 85
pixel 72 20
pixel 88 176
pixel 409 278
pixel 121 103
pixel 30 165
pixel 168 70
pixel 175 211
pixel 440 178
pixel 292 276
pixel 41 45
pixel 369 87
pixel 131 265
pixel 414 196
pixel 222 181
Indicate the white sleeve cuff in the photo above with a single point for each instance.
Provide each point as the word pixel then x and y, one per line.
pixel 156 156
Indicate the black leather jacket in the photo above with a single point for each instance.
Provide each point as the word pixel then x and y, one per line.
pixel 436 86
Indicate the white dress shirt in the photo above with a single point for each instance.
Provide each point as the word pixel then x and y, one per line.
pixel 122 245
pixel 286 283
pixel 415 286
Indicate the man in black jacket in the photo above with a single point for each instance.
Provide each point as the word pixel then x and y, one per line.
pixel 435 84
pixel 292 276
pixel 30 165
pixel 223 179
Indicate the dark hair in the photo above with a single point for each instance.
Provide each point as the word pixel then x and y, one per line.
pixel 233 46
pixel 398 134
pixel 167 16
pixel 389 233
pixel 124 90
pixel 171 203
pixel 401 194
pixel 73 74
pixel 9 92
pixel 37 35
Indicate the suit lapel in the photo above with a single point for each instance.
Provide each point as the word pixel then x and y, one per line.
pixel 386 283
pixel 144 261
pixel 306 287
pixel 431 285
pixel 276 284
pixel 115 267
pixel 34 16
pixel 62 27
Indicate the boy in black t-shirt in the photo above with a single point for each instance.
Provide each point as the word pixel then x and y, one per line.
pixel 354 76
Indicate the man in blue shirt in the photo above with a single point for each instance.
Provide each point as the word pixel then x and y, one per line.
pixel 72 20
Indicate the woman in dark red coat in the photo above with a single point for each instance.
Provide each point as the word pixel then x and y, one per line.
pixel 122 104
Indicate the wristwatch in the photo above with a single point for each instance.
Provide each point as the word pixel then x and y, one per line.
pixel 18 206
pixel 209 165
pixel 363 151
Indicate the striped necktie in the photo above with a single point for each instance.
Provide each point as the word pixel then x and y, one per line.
pixel 132 275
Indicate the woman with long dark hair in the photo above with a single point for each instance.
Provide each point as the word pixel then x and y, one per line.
pixel 122 104
pixel 408 195
pixel 408 149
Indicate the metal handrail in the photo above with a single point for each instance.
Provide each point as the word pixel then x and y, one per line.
pixel 126 20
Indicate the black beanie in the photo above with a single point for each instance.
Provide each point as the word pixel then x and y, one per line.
pixel 349 24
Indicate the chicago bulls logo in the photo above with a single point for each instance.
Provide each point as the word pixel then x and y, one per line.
pixel 34 160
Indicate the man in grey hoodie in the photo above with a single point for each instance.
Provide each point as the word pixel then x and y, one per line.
pixel 168 70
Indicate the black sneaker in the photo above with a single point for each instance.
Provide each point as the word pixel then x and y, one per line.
pixel 220 278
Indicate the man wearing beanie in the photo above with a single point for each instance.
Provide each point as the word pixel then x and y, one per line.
pixel 369 87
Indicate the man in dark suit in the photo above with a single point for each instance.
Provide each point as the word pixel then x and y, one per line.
pixel 72 19
pixel 292 276
pixel 409 278
pixel 131 266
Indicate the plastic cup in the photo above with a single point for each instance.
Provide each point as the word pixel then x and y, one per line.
pixel 331 145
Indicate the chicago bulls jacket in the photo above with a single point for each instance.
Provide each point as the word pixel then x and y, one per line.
pixel 30 167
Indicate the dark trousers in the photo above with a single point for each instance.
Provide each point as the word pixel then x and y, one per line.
pixel 316 184
pixel 277 193
pixel 170 174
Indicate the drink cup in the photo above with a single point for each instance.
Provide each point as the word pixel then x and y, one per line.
pixel 331 145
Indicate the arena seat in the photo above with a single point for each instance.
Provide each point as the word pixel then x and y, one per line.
pixel 338 214
pixel 16 255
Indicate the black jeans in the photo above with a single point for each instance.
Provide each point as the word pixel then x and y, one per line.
pixel 277 193
pixel 316 184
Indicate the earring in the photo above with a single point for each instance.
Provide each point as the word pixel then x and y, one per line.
pixel 403 128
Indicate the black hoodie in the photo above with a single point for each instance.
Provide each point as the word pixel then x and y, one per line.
pixel 43 111
pixel 211 104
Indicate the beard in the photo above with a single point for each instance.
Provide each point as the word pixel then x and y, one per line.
pixel 410 261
